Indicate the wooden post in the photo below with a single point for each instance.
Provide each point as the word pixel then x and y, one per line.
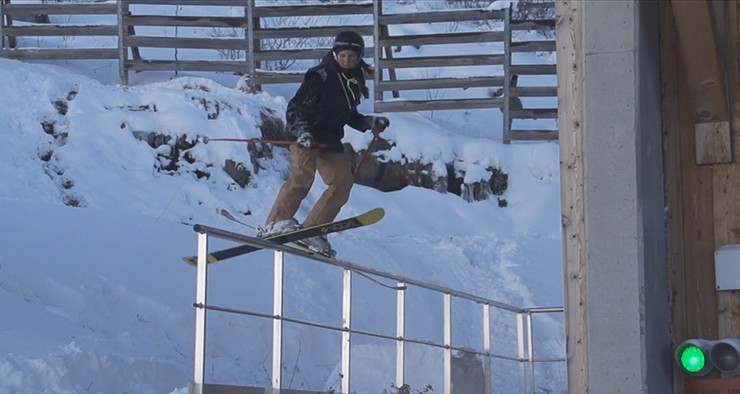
pixel 378 74
pixel 388 50
pixel 122 50
pixel 2 24
pixel 252 46
pixel 11 40
pixel 507 77
pixel 569 38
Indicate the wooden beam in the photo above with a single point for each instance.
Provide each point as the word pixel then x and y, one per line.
pixel 440 16
pixel 442 61
pixel 60 53
pixel 437 105
pixel 532 135
pixel 569 39
pixel 443 83
pixel 669 77
pixel 701 59
pixel 60 9
pixel 727 177
pixel 704 75
pixel 725 182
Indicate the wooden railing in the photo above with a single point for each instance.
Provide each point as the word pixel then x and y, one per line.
pixel 130 34
pixel 247 40
pixel 386 62
pixel 517 92
pixel 9 33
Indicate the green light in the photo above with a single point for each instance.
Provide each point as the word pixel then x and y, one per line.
pixel 692 359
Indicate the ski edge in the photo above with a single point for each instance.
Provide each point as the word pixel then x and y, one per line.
pixel 367 218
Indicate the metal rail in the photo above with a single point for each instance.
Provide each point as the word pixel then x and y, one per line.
pixel 525 335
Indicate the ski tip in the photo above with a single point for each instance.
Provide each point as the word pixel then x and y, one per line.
pixel 372 216
pixel 193 260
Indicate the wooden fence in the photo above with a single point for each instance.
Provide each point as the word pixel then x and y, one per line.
pixel 252 35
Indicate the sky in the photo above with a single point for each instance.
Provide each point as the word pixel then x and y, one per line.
pixel 96 297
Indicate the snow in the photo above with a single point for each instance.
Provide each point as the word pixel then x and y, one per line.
pixel 97 299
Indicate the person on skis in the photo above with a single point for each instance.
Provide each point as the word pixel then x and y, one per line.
pixel 325 102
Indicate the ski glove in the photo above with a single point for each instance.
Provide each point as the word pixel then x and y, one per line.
pixel 305 140
pixel 379 123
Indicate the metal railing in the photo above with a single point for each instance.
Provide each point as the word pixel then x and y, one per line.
pixel 524 320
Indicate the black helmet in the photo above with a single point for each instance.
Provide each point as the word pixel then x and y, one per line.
pixel 349 40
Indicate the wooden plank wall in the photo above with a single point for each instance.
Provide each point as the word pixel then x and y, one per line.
pixel 387 62
pixel 12 32
pixel 703 204
pixel 726 177
pixel 248 65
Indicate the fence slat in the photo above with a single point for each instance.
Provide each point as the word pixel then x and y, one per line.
pixel 60 9
pixel 442 61
pixel 533 46
pixel 202 3
pixel 300 54
pixel 440 16
pixel 185 42
pixel 450 38
pixel 535 113
pixel 534 91
pixel 313 10
pixel 324 31
pixel 278 77
pixel 60 54
pixel 440 83
pixel 533 135
pixel 187 65
pixel 185 21
pixel 61 30
pixel 433 105
pixel 533 69
pixel 540 25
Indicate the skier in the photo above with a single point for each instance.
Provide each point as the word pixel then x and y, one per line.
pixel 325 102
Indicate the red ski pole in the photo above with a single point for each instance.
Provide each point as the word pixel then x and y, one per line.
pixel 376 137
pixel 254 141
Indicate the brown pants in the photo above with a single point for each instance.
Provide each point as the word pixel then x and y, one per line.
pixel 336 173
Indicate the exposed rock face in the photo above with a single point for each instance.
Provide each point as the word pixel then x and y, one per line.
pixel 376 170
pixel 385 175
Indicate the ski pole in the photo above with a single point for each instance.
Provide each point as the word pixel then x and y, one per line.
pixel 376 137
pixel 254 141
pixel 247 140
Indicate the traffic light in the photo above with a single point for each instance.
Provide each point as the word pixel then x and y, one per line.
pixel 697 357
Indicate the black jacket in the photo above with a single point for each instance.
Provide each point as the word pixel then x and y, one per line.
pixel 326 102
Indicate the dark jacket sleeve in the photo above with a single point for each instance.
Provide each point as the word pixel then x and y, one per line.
pixel 359 121
pixel 304 106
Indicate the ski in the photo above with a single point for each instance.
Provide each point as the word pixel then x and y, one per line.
pixel 370 217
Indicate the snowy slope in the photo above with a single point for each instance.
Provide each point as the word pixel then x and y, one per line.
pixel 96 298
